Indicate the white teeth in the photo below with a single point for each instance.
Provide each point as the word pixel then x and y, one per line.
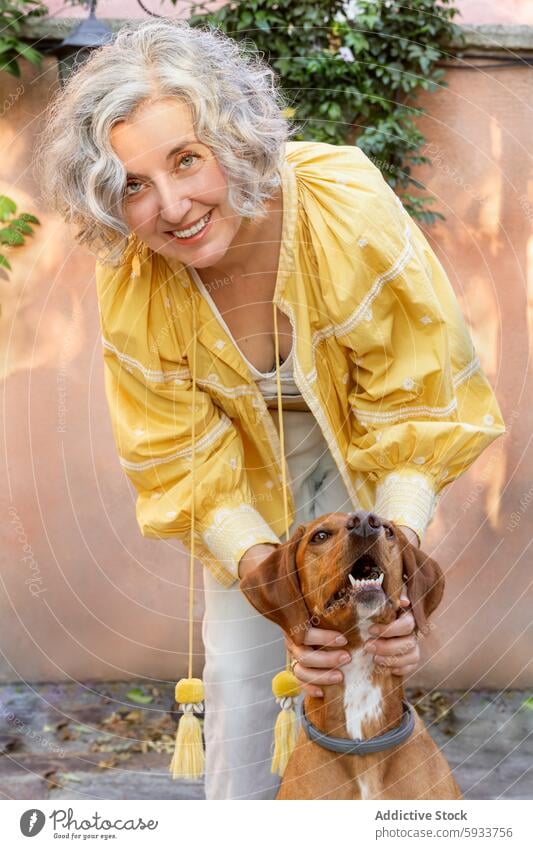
pixel 184 234
pixel 358 582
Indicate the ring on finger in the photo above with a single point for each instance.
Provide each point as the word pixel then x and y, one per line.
pixel 293 663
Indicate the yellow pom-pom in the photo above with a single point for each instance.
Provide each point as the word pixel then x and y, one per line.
pixel 285 685
pixel 189 691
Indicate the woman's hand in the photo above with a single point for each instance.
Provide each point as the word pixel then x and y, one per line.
pixel 393 645
pixel 318 665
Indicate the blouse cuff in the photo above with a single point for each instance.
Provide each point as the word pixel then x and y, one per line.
pixel 407 498
pixel 231 531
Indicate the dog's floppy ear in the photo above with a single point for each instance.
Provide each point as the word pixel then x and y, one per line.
pixel 425 583
pixel 273 588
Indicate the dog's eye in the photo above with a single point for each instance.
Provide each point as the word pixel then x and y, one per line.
pixel 320 536
pixel 388 531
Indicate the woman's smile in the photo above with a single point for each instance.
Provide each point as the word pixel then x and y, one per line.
pixel 194 232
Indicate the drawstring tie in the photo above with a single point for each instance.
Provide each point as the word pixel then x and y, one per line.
pixel 188 760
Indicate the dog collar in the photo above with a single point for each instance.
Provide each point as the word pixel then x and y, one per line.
pixel 345 746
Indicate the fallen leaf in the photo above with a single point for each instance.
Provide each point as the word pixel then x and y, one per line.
pixel 136 695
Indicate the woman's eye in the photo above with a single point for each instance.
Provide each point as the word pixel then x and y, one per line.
pixel 129 185
pixel 388 531
pixel 320 536
pixel 188 156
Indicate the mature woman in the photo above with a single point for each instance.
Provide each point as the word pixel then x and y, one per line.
pixel 170 152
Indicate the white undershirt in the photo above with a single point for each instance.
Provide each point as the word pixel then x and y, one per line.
pixel 266 382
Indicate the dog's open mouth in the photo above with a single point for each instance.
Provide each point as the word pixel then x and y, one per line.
pixel 363 583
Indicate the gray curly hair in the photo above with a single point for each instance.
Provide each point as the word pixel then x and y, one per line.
pixel 236 107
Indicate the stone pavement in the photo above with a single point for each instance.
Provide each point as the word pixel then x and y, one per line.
pixel 114 740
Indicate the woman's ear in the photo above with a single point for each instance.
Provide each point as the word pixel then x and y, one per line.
pixel 273 588
pixel 425 583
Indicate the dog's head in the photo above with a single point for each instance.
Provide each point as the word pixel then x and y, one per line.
pixel 340 569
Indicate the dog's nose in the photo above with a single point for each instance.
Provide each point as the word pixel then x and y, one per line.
pixel 363 524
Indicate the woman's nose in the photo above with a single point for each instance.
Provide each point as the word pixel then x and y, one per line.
pixel 174 203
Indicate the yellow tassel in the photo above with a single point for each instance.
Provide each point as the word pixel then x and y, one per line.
pixel 284 738
pixel 188 760
pixel 136 265
pixel 286 688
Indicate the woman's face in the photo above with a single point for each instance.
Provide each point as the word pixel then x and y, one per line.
pixel 172 182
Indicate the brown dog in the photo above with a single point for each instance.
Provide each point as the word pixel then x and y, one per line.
pixel 345 572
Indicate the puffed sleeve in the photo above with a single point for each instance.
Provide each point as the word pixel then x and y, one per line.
pixel 422 410
pixel 150 403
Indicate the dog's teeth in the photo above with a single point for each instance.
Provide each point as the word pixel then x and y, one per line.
pixel 352 580
pixel 380 579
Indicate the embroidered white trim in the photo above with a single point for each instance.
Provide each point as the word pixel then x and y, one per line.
pixel 371 416
pixel 228 391
pixel 151 375
pixel 204 442
pixel 362 310
pixel 469 369
pixel 407 498
pixel 403 413
pixel 233 530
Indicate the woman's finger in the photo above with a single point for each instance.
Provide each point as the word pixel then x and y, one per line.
pixel 404 624
pixel 313 690
pixel 391 646
pixel 324 637
pixel 399 660
pixel 404 670
pixel 313 676
pixel 316 659
pixel 404 601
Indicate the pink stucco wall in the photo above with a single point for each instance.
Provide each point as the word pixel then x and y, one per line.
pixel 472 11
pixel 84 595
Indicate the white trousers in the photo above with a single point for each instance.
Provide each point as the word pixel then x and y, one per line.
pixel 243 650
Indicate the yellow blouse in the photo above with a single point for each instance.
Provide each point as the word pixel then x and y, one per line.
pixel 382 357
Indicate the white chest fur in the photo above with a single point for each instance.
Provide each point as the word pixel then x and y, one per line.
pixel 362 698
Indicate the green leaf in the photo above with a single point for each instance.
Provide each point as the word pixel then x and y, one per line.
pixel 369 102
pixel 10 237
pixel 136 695
pixel 21 227
pixel 29 53
pixel 4 263
pixel 11 66
pixel 8 207
pixel 31 219
pixel 528 703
